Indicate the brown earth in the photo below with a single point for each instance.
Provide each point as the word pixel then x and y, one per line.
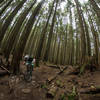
pixel 16 88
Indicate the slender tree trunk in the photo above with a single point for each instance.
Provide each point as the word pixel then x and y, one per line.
pixel 31 38
pixel 50 34
pixel 65 49
pixel 96 39
pixel 77 40
pixel 9 20
pixel 58 48
pixel 96 8
pixel 6 5
pixel 71 40
pixel 54 47
pixel 51 50
pixel 87 36
pixel 34 43
pixel 83 40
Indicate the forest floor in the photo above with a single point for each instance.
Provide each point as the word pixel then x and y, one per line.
pixel 42 87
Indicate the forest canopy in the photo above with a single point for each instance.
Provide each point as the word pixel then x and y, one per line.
pixel 64 32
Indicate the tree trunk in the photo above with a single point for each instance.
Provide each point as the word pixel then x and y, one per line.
pixel 9 20
pixel 96 8
pixel 83 40
pixel 87 36
pixel 54 47
pixel 50 34
pixel 96 39
pixel 6 5
pixel 32 35
pixel 57 58
pixel 71 40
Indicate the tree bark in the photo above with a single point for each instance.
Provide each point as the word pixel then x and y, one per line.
pixel 6 5
pixel 96 8
pixel 83 39
pixel 9 20
pixel 96 39
pixel 50 34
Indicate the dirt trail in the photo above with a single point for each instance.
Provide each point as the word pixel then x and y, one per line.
pixel 21 90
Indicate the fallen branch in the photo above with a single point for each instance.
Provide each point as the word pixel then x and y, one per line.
pixel 5 69
pixel 91 91
pixel 54 77
pixel 54 66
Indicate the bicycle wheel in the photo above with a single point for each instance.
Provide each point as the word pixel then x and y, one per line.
pixel 27 77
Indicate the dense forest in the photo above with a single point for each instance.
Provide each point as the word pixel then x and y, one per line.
pixel 61 35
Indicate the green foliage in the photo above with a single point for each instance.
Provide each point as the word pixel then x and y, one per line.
pixel 62 97
pixel 44 86
pixel 72 95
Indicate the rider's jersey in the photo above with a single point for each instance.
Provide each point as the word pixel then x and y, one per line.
pixel 30 61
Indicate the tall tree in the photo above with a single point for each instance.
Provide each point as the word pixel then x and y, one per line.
pixel 71 56
pixel 9 19
pixel 96 8
pixel 5 6
pixel 83 39
pixel 95 37
pixel 50 33
pixel 88 45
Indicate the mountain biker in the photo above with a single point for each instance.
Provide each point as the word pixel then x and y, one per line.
pixel 29 64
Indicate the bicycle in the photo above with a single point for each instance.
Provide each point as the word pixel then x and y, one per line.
pixel 28 74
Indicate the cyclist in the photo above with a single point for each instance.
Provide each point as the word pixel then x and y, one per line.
pixel 29 64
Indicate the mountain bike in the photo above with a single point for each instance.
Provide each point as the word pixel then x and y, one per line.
pixel 28 73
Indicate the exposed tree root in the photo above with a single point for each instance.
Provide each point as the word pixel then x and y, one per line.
pixel 54 66
pixel 91 91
